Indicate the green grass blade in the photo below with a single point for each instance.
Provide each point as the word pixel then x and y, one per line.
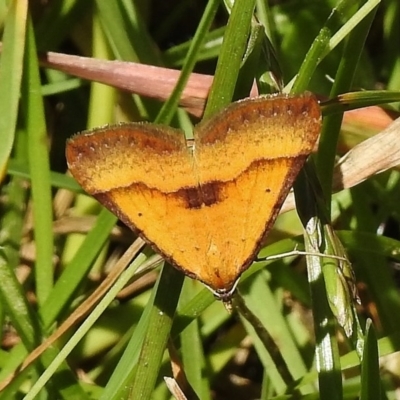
pixel 193 358
pixel 39 166
pixel 155 340
pixel 370 376
pixel 326 347
pixel 169 107
pixel 229 61
pixel 78 268
pixel 343 82
pixel 12 53
pixel 17 307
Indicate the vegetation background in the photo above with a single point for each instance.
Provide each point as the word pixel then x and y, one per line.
pixel 57 248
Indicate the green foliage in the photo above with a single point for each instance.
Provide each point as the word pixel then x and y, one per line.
pixel 287 342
